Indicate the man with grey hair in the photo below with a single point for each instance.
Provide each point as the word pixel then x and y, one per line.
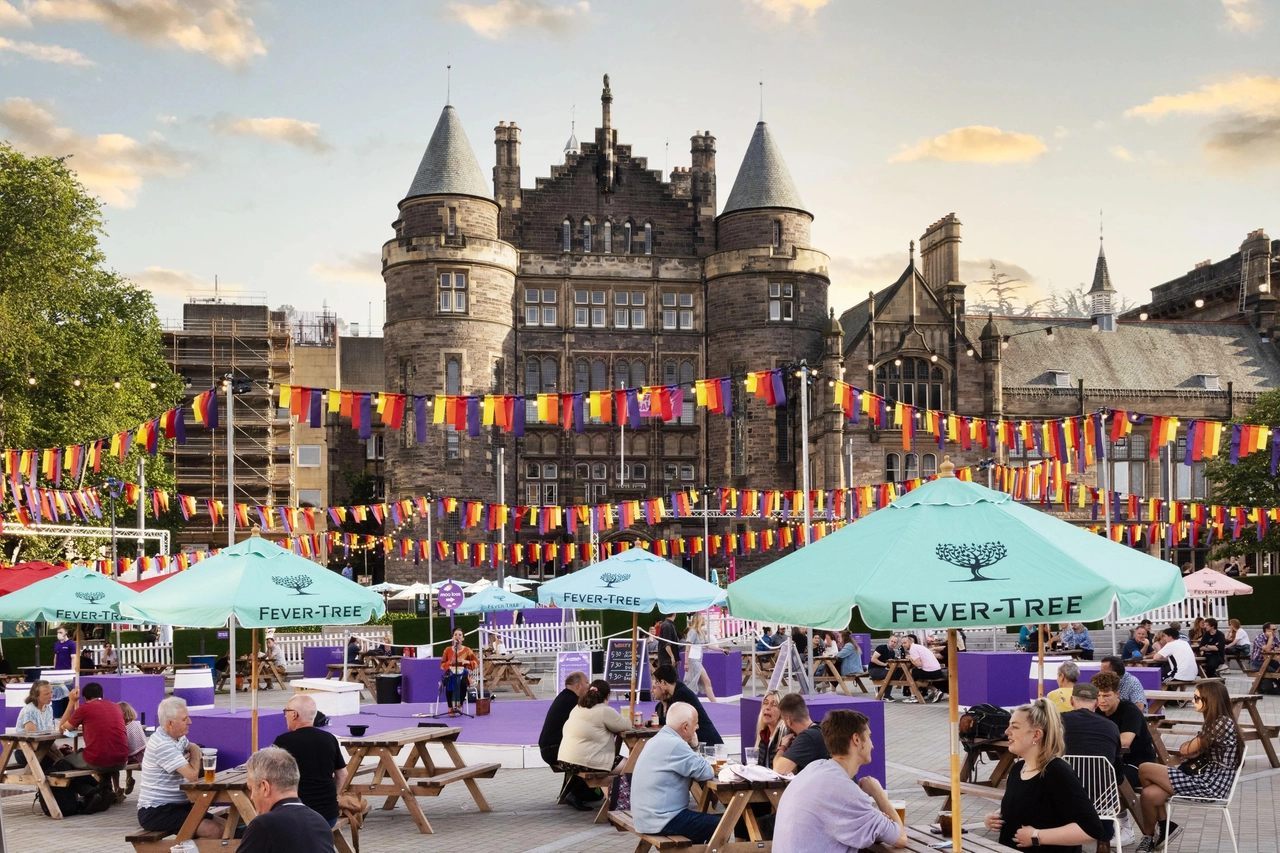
pixel 320 764
pixel 660 785
pixel 1068 675
pixel 169 761
pixel 283 824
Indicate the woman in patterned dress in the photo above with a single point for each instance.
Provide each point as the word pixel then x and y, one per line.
pixel 1217 746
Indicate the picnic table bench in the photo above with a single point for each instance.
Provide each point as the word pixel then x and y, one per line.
pixel 898 674
pixel 1263 671
pixel 33 746
pixel 921 840
pixel 827 671
pixel 758 665
pixel 152 667
pixel 356 673
pixel 736 797
pixel 634 740
pixel 505 670
pixel 429 779
pixel 1252 729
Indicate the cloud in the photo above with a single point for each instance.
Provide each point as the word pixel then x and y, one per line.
pixel 216 28
pixel 168 121
pixel 1240 15
pixel 784 9
pixel 496 19
pixel 360 267
pixel 1245 141
pixel 1121 153
pixel 11 17
pixel 110 164
pixel 975 144
pixel 180 283
pixel 302 134
pixel 1243 94
pixel 45 52
pixel 852 278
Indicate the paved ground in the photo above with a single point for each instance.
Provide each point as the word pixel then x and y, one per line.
pixel 525 820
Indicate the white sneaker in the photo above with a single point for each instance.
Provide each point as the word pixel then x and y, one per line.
pixel 911 700
pixel 1128 833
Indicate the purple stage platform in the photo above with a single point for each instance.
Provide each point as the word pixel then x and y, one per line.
pixel 515 723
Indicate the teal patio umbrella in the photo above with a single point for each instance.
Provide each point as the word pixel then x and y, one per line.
pixel 77 595
pixel 492 599
pixel 636 581
pixel 954 554
pixel 258 585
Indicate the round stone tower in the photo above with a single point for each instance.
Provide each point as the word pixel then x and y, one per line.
pixel 766 305
pixel 450 289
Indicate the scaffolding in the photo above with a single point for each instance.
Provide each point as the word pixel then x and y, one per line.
pixel 254 345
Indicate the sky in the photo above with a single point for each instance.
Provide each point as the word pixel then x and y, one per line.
pixel 266 143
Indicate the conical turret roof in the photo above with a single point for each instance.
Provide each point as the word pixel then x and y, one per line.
pixel 449 166
pixel 763 179
pixel 1101 276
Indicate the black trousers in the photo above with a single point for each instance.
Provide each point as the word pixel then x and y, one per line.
pixel 573 784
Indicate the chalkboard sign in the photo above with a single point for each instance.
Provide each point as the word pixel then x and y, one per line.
pixel 617 663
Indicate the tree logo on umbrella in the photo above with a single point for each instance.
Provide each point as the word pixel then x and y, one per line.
pixel 974 557
pixel 297 583
pixel 95 597
pixel 610 579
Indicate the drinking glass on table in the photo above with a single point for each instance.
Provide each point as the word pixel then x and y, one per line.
pixel 209 759
pixel 751 755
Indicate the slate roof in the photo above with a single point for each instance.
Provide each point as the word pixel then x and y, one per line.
pixel 449 166
pixel 1137 356
pixel 763 178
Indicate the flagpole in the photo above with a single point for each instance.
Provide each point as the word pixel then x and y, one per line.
pixel 231 525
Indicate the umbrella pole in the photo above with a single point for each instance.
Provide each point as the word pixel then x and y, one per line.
pixel 480 645
pixel 1040 633
pixel 118 670
pixel 253 672
pixel 231 659
pixel 953 715
pixel 635 622
pixel 75 661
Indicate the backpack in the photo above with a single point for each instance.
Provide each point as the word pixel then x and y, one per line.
pixel 983 724
pixel 70 798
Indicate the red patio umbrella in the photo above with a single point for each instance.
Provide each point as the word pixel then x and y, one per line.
pixel 147 583
pixel 24 574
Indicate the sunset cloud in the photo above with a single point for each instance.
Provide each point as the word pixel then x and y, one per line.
pixel 10 16
pixel 358 268
pixel 218 29
pixel 110 164
pixel 45 52
pixel 169 282
pixel 495 20
pixel 1241 15
pixel 1242 94
pixel 783 10
pixel 975 144
pixel 291 131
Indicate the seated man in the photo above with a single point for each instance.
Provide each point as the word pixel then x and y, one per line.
pixel 803 744
pixel 1134 733
pixel 322 769
pixel 1213 644
pixel 1076 636
pixel 1131 689
pixel 779 637
pixel 355 649
pixel 668 690
pixel 765 642
pixel 880 657
pixel 1138 646
pixel 275 654
pixel 284 824
pixel 106 746
pixel 1088 733
pixel 663 773
pixel 1068 675
pixel 824 810
pixel 1177 660
pixel 925 669
pixel 169 761
pixel 575 791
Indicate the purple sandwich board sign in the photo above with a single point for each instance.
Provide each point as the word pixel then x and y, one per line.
pixel 450 597
pixel 567 662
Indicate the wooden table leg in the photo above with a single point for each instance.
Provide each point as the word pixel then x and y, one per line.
pixel 1264 734
pixel 199 808
pixel 353 764
pixel 729 820
pixel 474 788
pixel 39 779
pixel 410 801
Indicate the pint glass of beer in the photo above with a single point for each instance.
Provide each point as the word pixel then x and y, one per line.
pixel 209 757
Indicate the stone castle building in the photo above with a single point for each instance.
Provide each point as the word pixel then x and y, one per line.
pixel 605 275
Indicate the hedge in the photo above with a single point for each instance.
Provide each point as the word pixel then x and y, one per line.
pixel 1262 606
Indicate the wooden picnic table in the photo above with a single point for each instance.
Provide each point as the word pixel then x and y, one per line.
pixel 634 740
pixel 429 779
pixel 996 750
pixel 355 673
pixel 736 797
pixel 152 667
pixel 901 666
pixel 383 664
pixel 1252 729
pixel 1267 659
pixel 505 670
pixel 33 746
pixel 921 840
pixel 827 671
pixel 758 665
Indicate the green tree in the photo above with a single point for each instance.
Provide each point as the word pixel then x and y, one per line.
pixel 361 490
pixel 1248 483
pixel 75 327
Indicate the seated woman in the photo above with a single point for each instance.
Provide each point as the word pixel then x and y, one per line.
pixel 134 733
pixel 769 731
pixel 589 741
pixel 355 649
pixel 108 659
pixel 456 666
pixel 850 655
pixel 1214 753
pixel 1237 640
pixel 1044 804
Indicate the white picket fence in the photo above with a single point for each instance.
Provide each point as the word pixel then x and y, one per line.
pixel 546 639
pixel 132 654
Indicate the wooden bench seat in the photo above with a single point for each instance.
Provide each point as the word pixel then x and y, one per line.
pixel 460 774
pixel 942 788
pixel 623 823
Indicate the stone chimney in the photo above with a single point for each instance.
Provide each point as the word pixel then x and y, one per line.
pixel 940 253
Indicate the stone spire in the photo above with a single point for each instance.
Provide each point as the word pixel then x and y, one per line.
pixel 763 179
pixel 449 166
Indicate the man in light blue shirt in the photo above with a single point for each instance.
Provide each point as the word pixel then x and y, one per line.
pixel 824 810
pixel 660 784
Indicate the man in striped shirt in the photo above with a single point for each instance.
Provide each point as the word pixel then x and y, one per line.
pixel 169 761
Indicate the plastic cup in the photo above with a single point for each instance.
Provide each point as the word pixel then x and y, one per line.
pixel 900 806
pixel 751 755
pixel 209 759
pixel 944 824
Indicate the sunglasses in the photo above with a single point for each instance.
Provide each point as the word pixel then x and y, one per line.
pixel 1197 698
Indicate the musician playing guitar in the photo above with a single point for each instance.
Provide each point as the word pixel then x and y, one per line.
pixel 457 663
